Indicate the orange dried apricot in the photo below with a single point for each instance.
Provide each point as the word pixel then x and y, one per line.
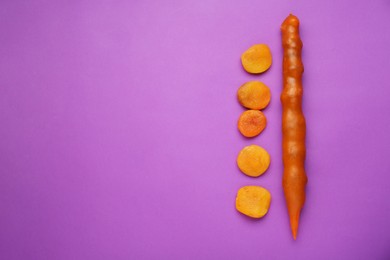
pixel 257 58
pixel 253 201
pixel 254 95
pixel 253 160
pixel 251 123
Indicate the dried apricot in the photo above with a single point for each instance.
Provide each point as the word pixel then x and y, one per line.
pixel 251 123
pixel 253 160
pixel 254 95
pixel 253 201
pixel 257 58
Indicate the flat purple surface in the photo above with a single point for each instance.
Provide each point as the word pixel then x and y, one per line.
pixel 118 134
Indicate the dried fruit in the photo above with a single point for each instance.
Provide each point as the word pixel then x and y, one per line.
pixel 251 123
pixel 254 95
pixel 257 58
pixel 253 160
pixel 253 201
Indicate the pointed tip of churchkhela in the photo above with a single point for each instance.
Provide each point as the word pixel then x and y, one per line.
pixel 294 221
pixel 290 20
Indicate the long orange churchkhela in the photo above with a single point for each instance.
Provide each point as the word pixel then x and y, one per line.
pixel 293 122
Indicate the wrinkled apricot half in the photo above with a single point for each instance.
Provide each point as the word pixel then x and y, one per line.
pixel 253 201
pixel 251 123
pixel 254 95
pixel 253 160
pixel 257 58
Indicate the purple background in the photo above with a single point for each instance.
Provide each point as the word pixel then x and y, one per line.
pixel 118 134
